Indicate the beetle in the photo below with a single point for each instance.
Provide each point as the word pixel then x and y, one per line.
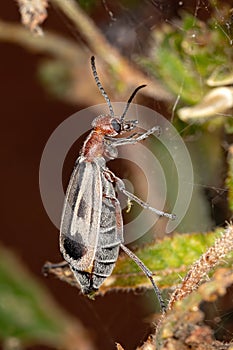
pixel 91 231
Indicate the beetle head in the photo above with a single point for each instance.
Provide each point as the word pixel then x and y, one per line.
pixel 112 126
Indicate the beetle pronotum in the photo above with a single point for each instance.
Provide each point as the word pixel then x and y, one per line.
pixel 91 231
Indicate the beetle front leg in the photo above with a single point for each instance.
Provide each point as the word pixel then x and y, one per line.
pixel 131 140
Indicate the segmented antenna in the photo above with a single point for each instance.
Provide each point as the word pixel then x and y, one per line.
pixel 130 100
pixel 98 83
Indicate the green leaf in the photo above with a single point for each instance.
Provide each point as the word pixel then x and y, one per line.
pixel 168 259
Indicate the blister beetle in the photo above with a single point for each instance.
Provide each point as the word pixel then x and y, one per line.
pixel 91 232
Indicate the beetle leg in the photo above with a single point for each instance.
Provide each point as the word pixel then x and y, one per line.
pixel 121 186
pixel 113 139
pixel 110 150
pixel 50 266
pixel 148 274
pixel 132 139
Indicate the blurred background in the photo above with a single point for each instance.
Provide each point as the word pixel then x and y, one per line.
pixel 183 51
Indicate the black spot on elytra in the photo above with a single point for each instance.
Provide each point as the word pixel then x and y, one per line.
pixel 75 249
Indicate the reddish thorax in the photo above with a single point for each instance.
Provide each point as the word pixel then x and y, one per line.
pixel 94 144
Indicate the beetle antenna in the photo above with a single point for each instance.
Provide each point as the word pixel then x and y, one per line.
pixel 98 83
pixel 130 100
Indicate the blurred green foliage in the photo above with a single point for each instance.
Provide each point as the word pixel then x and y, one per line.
pixel 185 54
pixel 169 259
pixel 26 310
pixel 56 76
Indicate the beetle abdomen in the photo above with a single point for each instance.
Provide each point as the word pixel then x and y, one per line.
pixel 103 266
pixel 106 253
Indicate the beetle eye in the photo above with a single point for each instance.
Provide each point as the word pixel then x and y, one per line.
pixel 116 125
